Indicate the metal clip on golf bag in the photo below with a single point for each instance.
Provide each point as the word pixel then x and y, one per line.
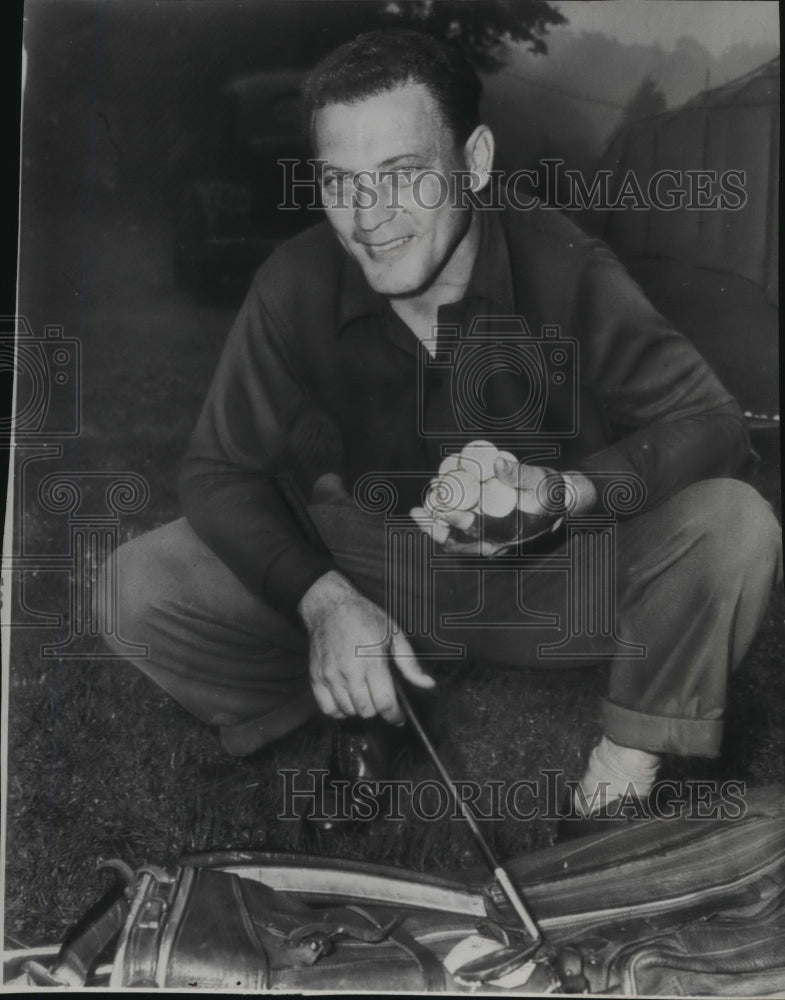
pixel 687 907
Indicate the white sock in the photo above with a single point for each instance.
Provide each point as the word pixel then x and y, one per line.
pixel 614 770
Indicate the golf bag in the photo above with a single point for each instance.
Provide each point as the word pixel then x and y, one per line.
pixel 684 907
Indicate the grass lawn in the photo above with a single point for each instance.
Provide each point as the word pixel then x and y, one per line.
pixel 101 764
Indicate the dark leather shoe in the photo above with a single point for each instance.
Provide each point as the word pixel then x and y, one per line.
pixel 366 749
pixel 362 750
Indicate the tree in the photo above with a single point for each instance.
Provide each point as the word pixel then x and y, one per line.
pixel 479 27
pixel 647 100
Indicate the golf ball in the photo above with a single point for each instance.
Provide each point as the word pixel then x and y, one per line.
pixel 497 499
pixel 450 464
pixel 479 458
pixel 461 490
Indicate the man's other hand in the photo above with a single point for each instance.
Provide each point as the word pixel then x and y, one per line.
pixel 476 532
pixel 533 481
pixel 345 683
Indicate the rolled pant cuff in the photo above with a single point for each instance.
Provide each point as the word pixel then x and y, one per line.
pixel 661 733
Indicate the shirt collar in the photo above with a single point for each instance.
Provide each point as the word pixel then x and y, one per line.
pixel 490 282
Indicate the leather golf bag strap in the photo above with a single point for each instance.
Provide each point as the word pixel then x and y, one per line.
pixel 78 957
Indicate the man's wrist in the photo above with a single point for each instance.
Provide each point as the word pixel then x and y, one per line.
pixel 580 493
pixel 326 593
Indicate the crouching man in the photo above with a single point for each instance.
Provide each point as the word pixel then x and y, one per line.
pixel 337 367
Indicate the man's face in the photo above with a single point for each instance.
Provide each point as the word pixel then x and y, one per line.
pixel 388 158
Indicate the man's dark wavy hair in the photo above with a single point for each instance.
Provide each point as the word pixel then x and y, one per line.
pixel 378 61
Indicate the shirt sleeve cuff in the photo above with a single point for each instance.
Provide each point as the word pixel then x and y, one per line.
pixel 291 574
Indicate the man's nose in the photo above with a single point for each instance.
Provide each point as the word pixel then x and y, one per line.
pixel 370 210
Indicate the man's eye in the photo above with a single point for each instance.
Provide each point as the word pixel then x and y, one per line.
pixel 405 175
pixel 336 190
pixel 334 180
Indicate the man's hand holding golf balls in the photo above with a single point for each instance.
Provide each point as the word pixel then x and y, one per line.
pixel 484 501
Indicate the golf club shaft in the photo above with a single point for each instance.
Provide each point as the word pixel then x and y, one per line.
pixel 500 874
pixel 299 509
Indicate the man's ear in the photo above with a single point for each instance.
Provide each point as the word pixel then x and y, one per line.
pixel 478 153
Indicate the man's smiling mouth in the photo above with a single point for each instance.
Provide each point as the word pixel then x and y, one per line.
pixel 382 248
